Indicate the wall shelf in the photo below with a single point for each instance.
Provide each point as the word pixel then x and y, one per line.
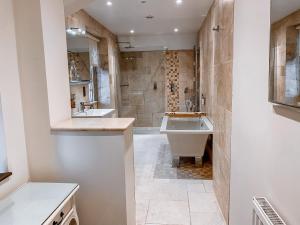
pixel 82 82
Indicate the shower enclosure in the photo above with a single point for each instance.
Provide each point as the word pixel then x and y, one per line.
pixel 155 82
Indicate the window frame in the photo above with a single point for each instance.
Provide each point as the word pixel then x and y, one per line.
pixel 5 173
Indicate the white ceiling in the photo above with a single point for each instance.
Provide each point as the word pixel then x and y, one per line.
pixel 125 15
pixel 282 8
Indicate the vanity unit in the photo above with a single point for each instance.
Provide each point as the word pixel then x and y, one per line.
pixel 40 204
pixel 97 153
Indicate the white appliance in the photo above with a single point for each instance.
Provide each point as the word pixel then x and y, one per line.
pixel 46 204
pixel 71 219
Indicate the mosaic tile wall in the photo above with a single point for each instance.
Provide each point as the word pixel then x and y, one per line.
pixel 172 81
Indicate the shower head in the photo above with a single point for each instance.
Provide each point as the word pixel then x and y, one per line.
pixel 127 43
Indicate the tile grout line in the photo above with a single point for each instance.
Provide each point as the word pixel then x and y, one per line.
pixel 188 198
pixel 148 207
pixel 204 187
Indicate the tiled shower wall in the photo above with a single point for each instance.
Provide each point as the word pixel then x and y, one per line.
pixel 145 84
pixel 216 59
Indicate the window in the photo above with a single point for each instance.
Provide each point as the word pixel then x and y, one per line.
pixel 3 161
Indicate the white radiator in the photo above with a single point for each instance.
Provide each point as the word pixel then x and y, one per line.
pixel 264 213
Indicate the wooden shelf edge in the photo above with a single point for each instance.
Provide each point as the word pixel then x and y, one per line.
pixel 3 176
pixel 186 114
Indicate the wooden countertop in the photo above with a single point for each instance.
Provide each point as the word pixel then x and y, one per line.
pixel 94 124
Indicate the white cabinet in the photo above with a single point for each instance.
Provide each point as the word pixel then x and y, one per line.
pixel 40 204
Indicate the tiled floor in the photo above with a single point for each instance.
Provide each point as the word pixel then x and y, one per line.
pixel 170 201
pixel 187 169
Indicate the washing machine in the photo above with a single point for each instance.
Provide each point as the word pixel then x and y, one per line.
pixel 71 218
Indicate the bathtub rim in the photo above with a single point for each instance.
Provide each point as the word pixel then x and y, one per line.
pixel 164 130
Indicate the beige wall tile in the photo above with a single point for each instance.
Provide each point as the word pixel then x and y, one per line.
pixel 216 86
pixel 141 71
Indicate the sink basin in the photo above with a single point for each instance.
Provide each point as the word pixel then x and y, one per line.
pixel 94 113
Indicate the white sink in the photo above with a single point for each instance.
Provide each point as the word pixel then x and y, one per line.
pixel 94 113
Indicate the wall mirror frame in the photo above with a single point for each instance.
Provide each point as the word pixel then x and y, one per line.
pixel 88 70
pixel 284 82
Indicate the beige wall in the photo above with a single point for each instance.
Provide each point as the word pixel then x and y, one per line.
pixel 14 142
pixel 216 86
pixel 139 73
pixel 81 18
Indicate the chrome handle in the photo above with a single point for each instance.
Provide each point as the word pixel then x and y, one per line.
pixel 61 220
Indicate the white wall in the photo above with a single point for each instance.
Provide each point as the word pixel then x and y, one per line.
pixel 11 102
pixel 55 50
pixel 33 50
pixel 3 159
pixel 265 144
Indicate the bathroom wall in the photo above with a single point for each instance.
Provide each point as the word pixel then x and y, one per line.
pixel 81 18
pixel 56 63
pixel 286 55
pixel 11 102
pixel 36 63
pixel 265 139
pixel 139 73
pixel 145 84
pixel 72 6
pixel 180 41
pixel 216 86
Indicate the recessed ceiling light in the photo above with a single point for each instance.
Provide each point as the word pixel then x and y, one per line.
pixel 143 1
pixel 176 30
pixel 179 2
pixel 109 3
pixel 132 31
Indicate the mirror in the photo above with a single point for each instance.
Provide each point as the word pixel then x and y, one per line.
pixel 285 53
pixel 88 72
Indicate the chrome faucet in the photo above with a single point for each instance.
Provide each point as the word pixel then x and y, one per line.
pixel 82 106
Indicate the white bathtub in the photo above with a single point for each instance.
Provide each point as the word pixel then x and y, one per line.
pixel 187 137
